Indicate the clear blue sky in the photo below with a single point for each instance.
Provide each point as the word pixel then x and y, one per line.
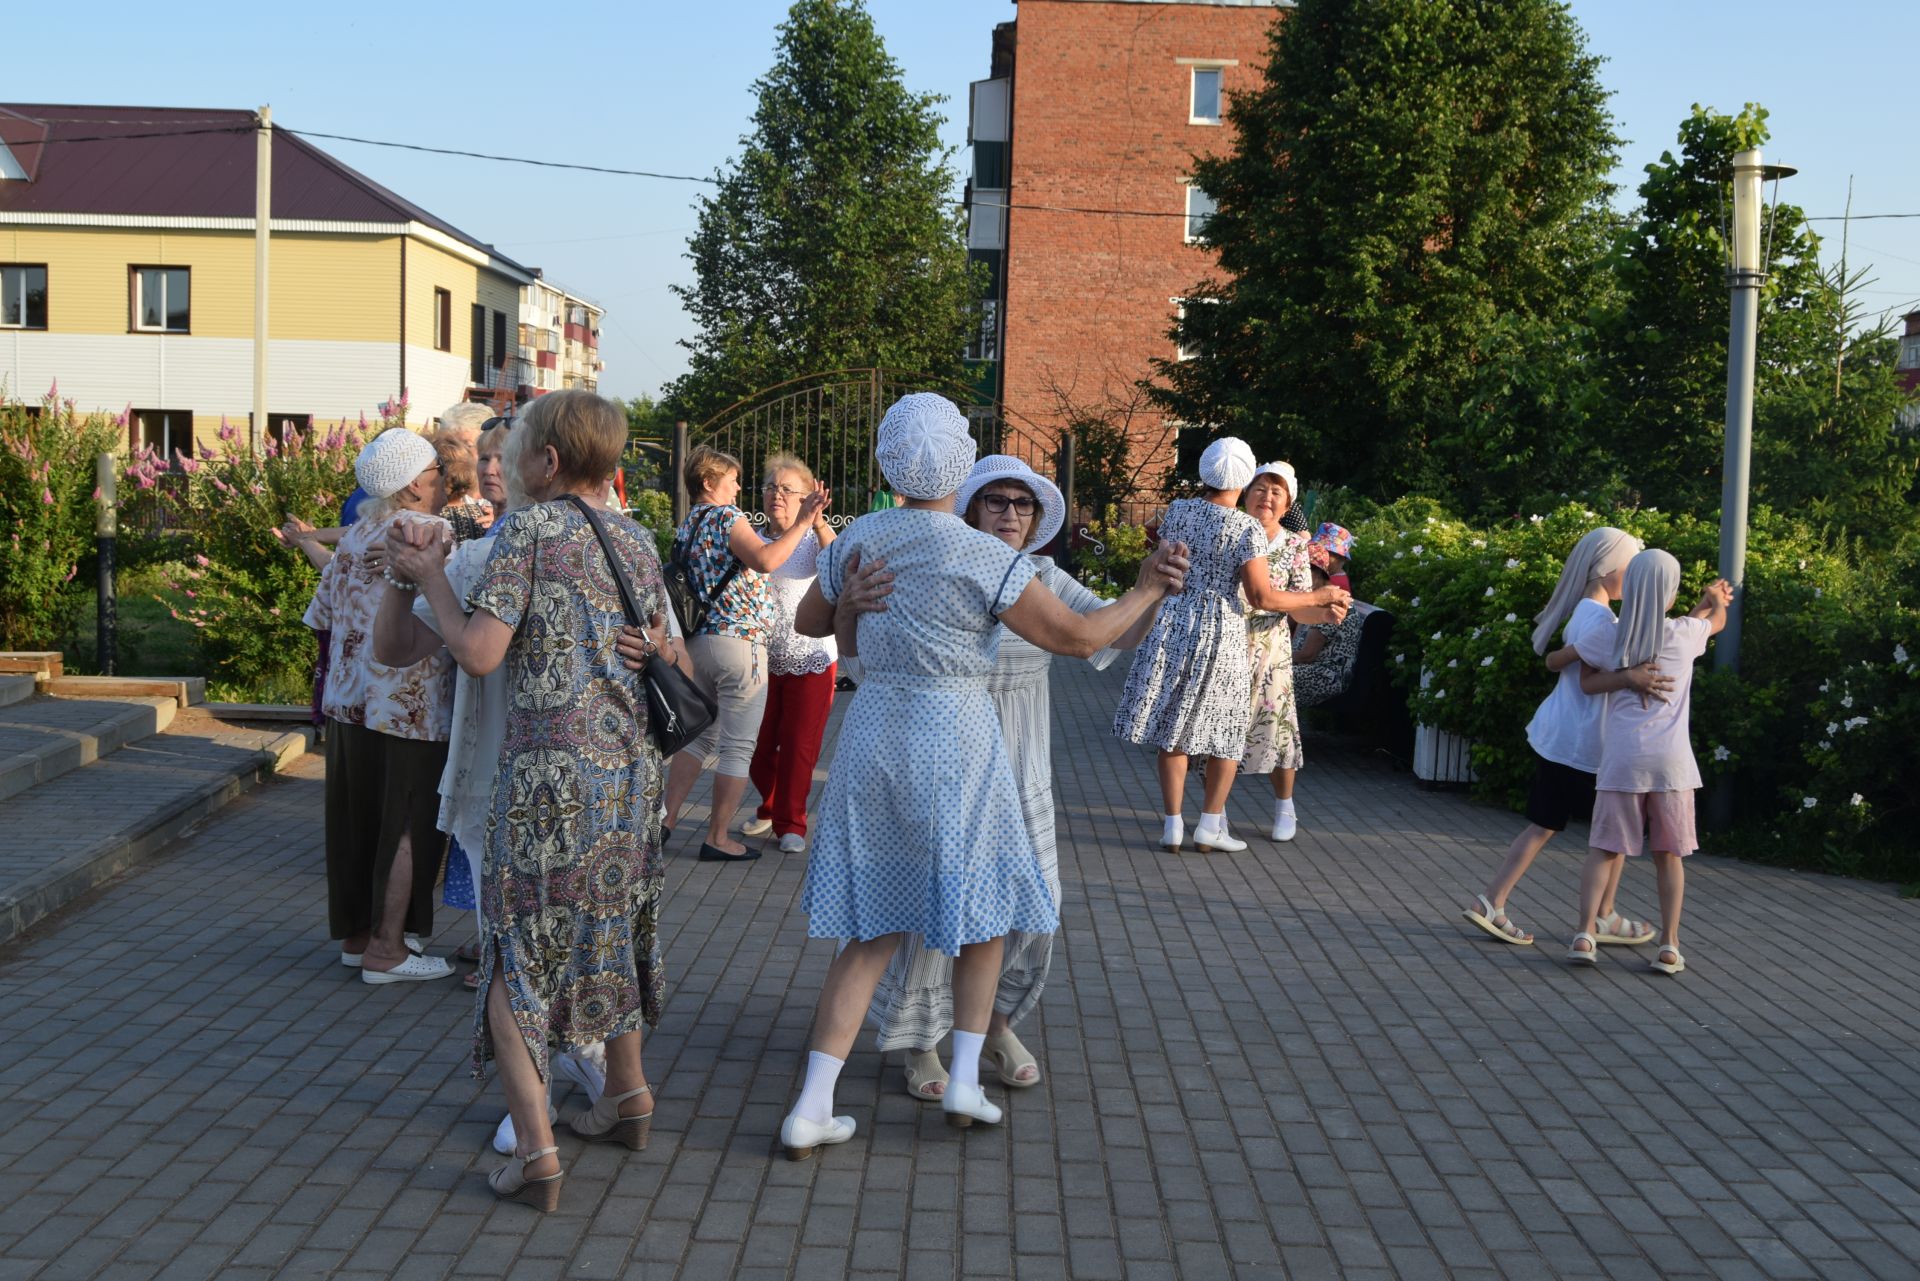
pixel 667 87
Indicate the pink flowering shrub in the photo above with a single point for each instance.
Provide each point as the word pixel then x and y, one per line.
pixel 46 517
pixel 226 574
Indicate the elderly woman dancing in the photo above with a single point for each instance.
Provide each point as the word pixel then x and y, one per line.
pixel 913 1008
pixel 1273 730
pixel 1187 692
pixel 571 878
pixel 387 729
pixel 920 828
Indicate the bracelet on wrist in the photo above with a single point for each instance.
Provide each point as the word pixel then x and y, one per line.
pixel 386 572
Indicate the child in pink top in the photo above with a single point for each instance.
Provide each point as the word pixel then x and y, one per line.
pixel 1647 773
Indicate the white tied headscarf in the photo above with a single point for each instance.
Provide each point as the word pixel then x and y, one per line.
pixel 1652 581
pixel 924 446
pixel 1598 553
pixel 1227 464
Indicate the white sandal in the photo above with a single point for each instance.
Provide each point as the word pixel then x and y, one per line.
pixel 1617 929
pixel 1591 956
pixel 1495 921
pixel 1677 964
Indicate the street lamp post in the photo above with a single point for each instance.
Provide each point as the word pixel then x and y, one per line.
pixel 1747 271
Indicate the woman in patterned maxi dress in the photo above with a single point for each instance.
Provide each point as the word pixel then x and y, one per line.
pixel 1273 730
pixel 571 878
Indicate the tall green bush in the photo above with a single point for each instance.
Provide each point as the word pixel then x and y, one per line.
pixel 47 491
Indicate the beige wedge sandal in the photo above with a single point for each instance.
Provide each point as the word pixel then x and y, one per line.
pixel 510 1182
pixel 924 1070
pixel 603 1123
pixel 1008 1056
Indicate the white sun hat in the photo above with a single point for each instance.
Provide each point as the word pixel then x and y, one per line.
pixel 924 447
pixel 1285 472
pixel 998 467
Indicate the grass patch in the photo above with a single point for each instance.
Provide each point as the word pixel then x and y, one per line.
pixel 149 642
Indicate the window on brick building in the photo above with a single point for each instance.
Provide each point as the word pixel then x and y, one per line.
pixel 1205 104
pixel 23 296
pixel 1189 347
pixel 1200 210
pixel 1189 442
pixel 984 342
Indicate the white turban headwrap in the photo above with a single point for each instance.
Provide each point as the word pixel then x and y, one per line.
pixel 1598 553
pixel 389 462
pixel 1652 581
pixel 925 449
pixel 1227 464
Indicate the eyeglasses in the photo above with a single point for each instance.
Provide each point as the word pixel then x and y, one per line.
pixel 998 504
pixel 782 491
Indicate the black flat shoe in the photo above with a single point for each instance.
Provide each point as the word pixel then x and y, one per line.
pixel 708 854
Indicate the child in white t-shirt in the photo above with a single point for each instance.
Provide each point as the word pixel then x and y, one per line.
pixel 1647 774
pixel 1565 731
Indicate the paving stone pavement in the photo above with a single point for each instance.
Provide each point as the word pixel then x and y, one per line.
pixel 1292 1062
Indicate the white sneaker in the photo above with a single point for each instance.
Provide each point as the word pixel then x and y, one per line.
pixel 503 1136
pixel 1284 823
pixel 582 1072
pixel 800 1136
pixel 756 827
pixel 415 969
pixel 965 1104
pixel 793 843
pixel 1173 832
pixel 1216 840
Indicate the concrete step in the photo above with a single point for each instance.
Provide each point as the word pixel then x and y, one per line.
pixel 43 738
pixel 185 691
pixel 16 689
pixel 62 838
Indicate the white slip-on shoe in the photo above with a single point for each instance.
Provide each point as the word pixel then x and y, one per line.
pixel 800 1136
pixel 1285 824
pixel 1216 840
pixel 965 1104
pixel 355 960
pixel 503 1135
pixel 756 827
pixel 415 969
pixel 793 843
pixel 1173 833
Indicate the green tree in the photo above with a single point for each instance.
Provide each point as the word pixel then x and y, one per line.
pixel 1409 181
pixel 1826 394
pixel 833 241
pixel 649 438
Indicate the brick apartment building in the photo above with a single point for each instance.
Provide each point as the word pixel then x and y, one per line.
pixel 1098 105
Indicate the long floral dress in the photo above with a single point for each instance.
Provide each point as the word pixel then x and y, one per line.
pixel 1187 689
pixel 1273 733
pixel 571 880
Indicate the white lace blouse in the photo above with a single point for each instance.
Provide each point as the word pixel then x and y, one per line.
pixel 788 652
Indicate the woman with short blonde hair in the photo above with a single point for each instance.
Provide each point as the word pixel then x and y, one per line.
pixel 730 563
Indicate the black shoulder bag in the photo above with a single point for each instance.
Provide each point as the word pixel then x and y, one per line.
pixel 678 711
pixel 689 604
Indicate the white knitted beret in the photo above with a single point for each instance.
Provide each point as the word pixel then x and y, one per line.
pixel 924 448
pixel 388 463
pixel 1227 464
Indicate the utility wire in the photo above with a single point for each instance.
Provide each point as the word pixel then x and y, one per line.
pixel 680 177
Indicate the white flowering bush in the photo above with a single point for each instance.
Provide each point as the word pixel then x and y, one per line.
pixel 1814 614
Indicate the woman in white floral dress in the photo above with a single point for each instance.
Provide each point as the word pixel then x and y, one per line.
pixel 1273 731
pixel 1187 692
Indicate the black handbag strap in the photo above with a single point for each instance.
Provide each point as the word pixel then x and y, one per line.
pixel 726 579
pixel 627 600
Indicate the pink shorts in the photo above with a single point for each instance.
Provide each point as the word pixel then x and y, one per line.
pixel 1664 820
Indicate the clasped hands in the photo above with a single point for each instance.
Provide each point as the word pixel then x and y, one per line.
pixel 413 550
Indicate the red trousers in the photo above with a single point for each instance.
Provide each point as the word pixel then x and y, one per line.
pixel 789 746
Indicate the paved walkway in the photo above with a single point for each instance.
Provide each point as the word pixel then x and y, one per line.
pixel 1283 1063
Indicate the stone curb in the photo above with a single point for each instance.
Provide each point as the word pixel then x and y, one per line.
pixel 61 882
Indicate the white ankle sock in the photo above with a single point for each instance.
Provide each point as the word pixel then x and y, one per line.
pixel 816 1096
pixel 1283 805
pixel 1212 822
pixel 966 1057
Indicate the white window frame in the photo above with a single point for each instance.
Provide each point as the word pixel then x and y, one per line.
pixel 23 268
pixel 1195 71
pixel 1186 226
pixel 140 298
pixel 172 421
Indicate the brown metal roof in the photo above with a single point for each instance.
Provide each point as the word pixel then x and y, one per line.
pixel 183 162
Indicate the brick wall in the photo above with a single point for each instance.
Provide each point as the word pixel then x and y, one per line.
pixel 1100 120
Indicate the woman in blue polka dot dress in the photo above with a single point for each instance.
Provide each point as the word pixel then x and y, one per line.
pixel 920 828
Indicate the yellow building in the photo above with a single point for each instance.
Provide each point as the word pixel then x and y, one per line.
pixel 127 274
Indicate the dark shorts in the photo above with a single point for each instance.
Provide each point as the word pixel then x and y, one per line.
pixel 1560 794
